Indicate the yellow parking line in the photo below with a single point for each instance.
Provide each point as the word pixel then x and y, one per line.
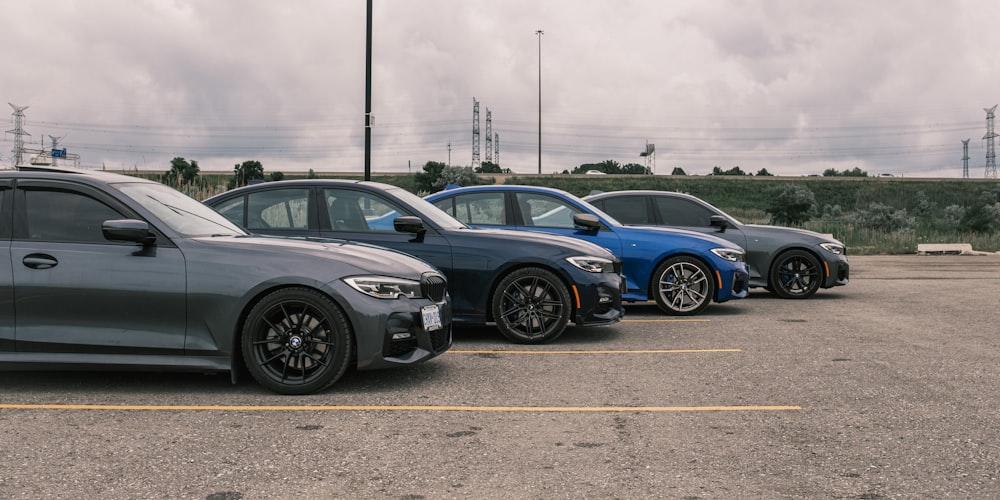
pixel 687 320
pixel 519 409
pixel 637 351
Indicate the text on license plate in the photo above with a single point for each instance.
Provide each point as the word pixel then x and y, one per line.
pixel 431 317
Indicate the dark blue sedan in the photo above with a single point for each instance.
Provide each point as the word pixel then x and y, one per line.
pixel 530 286
pixel 682 271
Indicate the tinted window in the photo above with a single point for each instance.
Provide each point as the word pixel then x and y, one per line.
pixel 233 210
pixel 546 211
pixel 475 208
pixel 66 216
pixel 5 213
pixel 357 211
pixel 276 209
pixel 627 209
pixel 681 212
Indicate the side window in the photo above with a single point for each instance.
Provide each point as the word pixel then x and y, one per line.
pixel 66 216
pixel 233 210
pixel 356 211
pixel 5 213
pixel 680 212
pixel 627 209
pixel 476 208
pixel 545 211
pixel 278 209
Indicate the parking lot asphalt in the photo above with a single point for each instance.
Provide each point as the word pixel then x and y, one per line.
pixel 885 388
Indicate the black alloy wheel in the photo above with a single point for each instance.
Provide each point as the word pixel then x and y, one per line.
pixel 795 274
pixel 531 306
pixel 296 341
pixel 683 286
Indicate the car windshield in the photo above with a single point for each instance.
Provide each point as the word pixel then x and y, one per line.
pixel 428 211
pixel 180 212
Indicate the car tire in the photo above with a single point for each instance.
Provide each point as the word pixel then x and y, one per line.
pixel 795 274
pixel 531 306
pixel 683 286
pixel 296 341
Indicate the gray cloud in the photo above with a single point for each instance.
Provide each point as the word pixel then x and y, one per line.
pixel 791 86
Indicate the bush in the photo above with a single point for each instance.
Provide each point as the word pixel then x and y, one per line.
pixel 881 217
pixel 793 205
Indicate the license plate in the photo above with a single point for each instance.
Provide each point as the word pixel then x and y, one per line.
pixel 431 317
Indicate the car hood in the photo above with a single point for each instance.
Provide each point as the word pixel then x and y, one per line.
pixel 364 257
pixel 570 245
pixel 807 235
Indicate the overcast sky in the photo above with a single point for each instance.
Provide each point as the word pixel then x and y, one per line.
pixel 793 86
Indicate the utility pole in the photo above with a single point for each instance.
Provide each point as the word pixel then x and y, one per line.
pixel 965 158
pixel 539 33
pixel 368 97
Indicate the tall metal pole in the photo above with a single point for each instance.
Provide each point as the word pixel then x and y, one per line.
pixel 368 98
pixel 539 33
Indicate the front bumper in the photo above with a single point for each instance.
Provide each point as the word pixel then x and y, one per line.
pixel 837 272
pixel 390 333
pixel 598 298
pixel 733 281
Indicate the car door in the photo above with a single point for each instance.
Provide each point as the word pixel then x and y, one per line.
pixel 6 277
pixel 80 293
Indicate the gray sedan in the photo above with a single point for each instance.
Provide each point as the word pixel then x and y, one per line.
pixel 792 263
pixel 115 272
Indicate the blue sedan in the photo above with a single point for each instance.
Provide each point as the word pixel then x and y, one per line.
pixel 683 271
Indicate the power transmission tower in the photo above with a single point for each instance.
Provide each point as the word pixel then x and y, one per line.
pixel 489 136
pixel 496 147
pixel 965 158
pixel 991 154
pixel 475 133
pixel 19 133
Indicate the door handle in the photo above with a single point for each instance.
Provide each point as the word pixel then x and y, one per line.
pixel 39 261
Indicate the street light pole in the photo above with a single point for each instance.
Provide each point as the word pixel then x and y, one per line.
pixel 539 33
pixel 368 96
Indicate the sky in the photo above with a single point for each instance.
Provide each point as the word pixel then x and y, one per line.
pixel 795 87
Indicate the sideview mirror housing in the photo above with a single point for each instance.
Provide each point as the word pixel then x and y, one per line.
pixel 409 224
pixel 133 230
pixel 719 222
pixel 590 222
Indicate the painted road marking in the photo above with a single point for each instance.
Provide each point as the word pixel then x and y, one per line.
pixel 636 351
pixel 689 320
pixel 518 409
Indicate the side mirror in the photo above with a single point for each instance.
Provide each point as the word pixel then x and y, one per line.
pixel 409 224
pixel 133 230
pixel 719 222
pixel 587 221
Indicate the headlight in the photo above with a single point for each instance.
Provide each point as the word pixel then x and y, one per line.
pixel 385 287
pixel 729 254
pixel 834 248
pixel 592 264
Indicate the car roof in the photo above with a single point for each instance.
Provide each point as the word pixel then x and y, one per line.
pixel 637 192
pixel 302 182
pixel 98 176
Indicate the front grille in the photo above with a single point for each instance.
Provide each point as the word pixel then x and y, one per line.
pixel 433 286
